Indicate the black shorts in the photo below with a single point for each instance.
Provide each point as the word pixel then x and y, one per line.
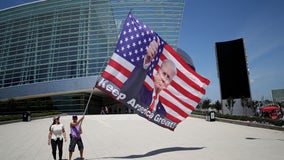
pixel 73 143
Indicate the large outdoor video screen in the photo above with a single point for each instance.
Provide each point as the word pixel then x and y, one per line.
pixel 232 67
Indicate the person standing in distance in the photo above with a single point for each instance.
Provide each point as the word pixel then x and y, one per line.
pixel 55 137
pixel 75 136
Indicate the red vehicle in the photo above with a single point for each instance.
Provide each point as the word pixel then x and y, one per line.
pixel 271 111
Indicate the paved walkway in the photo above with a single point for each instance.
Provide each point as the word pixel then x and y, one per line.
pixel 115 137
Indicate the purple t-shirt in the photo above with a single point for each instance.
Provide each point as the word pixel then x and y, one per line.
pixel 75 131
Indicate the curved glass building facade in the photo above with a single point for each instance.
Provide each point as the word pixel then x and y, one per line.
pixel 56 48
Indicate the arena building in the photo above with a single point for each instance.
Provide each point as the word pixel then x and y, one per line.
pixel 53 50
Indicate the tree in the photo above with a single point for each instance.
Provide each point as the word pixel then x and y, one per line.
pixel 230 104
pixel 245 102
pixel 217 105
pixel 205 104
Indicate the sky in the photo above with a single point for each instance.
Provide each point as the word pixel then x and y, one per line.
pixel 261 25
pixel 259 22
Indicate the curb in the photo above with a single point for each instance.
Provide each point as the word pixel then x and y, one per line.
pixel 245 123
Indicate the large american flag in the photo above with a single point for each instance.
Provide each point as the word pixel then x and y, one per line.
pixel 187 87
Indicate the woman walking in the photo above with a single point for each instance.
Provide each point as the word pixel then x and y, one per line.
pixel 55 137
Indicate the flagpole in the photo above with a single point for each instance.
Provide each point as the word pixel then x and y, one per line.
pixel 90 97
pixel 87 105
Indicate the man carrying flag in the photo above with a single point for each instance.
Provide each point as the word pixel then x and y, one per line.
pixel 145 70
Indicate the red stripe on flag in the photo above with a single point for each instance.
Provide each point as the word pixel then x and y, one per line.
pixel 173 118
pixel 187 105
pixel 185 92
pixel 178 57
pixel 163 57
pixel 119 67
pixel 112 78
pixel 190 82
pixel 173 106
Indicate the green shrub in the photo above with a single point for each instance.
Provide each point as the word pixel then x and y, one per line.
pixel 33 114
pixel 246 118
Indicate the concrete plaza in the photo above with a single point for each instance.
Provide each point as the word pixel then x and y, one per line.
pixel 115 137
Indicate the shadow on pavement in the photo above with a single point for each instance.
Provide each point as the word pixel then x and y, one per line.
pixel 252 138
pixel 159 151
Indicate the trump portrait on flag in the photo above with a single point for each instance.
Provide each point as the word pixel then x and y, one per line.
pixel 144 95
